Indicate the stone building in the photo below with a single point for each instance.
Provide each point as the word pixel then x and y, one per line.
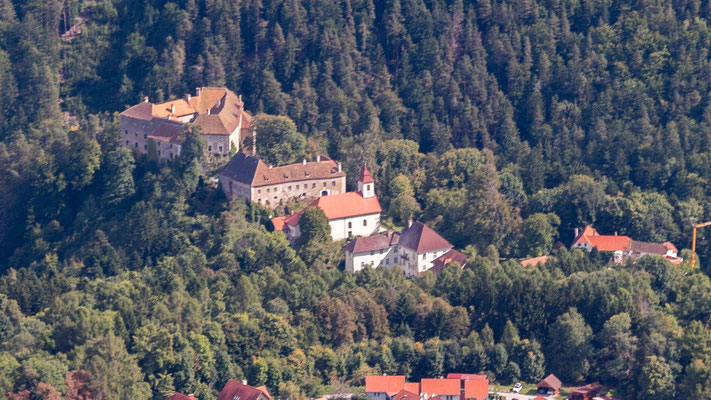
pixel 155 129
pixel 249 179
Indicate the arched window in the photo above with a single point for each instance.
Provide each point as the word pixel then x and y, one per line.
pixel 350 224
pixel 365 222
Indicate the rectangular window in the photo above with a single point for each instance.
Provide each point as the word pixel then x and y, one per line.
pixel 144 135
pixel 145 147
pixel 220 149
pixel 387 261
pixel 424 256
pixel 362 264
pixel 209 148
pixel 313 185
pixel 267 190
pixel 171 145
pixel 158 152
pixel 125 132
pixel 372 252
pixel 158 143
pixel 259 191
pixel 333 183
pixel 297 187
pixel 136 144
pixel 324 184
pixel 127 143
pixel 289 187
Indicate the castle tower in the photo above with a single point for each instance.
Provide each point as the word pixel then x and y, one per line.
pixel 366 183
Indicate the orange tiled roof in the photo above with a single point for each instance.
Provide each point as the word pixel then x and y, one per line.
pixel 604 242
pixel 344 205
pixel 182 108
pixel 413 387
pixel 234 390
pixel 384 383
pixel 476 388
pixel 440 387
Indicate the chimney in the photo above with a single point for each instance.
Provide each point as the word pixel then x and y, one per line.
pixel 172 108
pixel 318 158
pixel 409 222
pixel 170 117
pixel 254 142
pixel 188 97
pixel 244 381
pixel 615 233
pixel 208 111
pixel 340 167
pixel 577 232
pixel 145 99
pixel 303 162
pixel 271 166
pixel 198 91
pixel 240 99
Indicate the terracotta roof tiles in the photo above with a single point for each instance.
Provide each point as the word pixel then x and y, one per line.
pixel 440 262
pixel 476 389
pixel 344 205
pixel 532 262
pixel 550 382
pixel 384 383
pixel 440 387
pixel 235 390
pixel 369 243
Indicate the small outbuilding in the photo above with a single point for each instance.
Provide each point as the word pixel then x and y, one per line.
pixel 549 385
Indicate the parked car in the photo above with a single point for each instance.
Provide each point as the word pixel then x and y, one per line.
pixel 517 388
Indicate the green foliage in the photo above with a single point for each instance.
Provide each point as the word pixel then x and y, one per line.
pixel 314 226
pixel 278 142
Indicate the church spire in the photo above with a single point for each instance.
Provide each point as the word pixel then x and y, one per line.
pixel 366 183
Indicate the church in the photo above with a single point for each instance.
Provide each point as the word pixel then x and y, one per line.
pixel 349 214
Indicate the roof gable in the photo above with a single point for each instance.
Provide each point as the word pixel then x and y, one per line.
pixel 551 382
pixel 369 243
pixel 242 168
pixel 476 388
pixel 421 238
pixel 234 390
pixel 142 111
pixel 406 395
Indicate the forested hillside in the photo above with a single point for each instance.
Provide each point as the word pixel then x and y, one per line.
pixel 503 125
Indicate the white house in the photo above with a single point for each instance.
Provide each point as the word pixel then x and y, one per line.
pixel 349 214
pixel 419 246
pixel 383 387
pixel 445 389
pixel 372 251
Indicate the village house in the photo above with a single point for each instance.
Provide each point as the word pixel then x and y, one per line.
pixel 473 386
pixel 180 396
pixel 549 385
pixel 249 179
pixel 383 387
pixel 445 389
pixel 349 214
pixel 623 247
pixel 587 392
pixel 147 128
pixel 234 390
pixel 415 249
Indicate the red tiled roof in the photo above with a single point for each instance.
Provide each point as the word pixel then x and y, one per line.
pixel 182 108
pixel 440 262
pixel 476 388
pixel 440 387
pixel 551 382
pixel 180 396
pixel 344 205
pixel 365 176
pixel 264 390
pixel 167 131
pixel 413 387
pixel 384 383
pixel 369 243
pixel 234 389
pixel 406 395
pixel 421 238
pixel 604 242
pixel 280 223
pixel 539 397
pixel 670 246
pixel 534 261
pixel 252 171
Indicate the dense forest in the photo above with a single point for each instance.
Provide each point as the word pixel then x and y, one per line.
pixel 502 124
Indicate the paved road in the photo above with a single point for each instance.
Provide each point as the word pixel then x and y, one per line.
pixel 519 396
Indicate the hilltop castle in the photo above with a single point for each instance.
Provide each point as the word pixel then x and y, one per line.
pixel 218 111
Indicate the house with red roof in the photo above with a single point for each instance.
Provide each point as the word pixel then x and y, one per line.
pixel 587 392
pixel 405 394
pixel 234 390
pixel 419 246
pixel 383 387
pixel 371 251
pixel 623 247
pixel 445 389
pixel 473 386
pixel 349 214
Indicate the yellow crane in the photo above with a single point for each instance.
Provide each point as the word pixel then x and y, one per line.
pixel 693 242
